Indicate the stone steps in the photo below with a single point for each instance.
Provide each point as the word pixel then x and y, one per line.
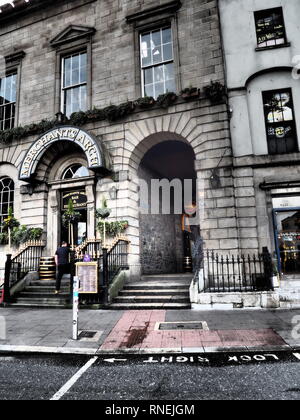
pixel 156 292
pixel 149 306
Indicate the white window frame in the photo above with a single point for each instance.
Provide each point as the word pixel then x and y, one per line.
pixel 11 73
pixel 152 66
pixel 64 89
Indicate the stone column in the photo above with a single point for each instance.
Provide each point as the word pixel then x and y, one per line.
pixel 91 210
pixel 53 221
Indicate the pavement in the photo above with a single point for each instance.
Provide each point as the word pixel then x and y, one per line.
pixel 149 331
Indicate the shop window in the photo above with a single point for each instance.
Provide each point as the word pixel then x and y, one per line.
pixel 288 239
pixel 8 95
pixel 280 122
pixel 157 62
pixel 74 83
pixel 270 28
pixel 76 171
pixel 7 190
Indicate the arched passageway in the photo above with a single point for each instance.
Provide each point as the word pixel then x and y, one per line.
pixel 164 241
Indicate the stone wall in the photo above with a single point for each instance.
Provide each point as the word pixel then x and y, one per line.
pixel 114 79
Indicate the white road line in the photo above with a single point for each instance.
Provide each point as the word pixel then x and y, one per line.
pixel 58 396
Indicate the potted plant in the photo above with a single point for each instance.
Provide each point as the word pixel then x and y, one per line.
pixel 167 99
pixel 190 93
pixel 145 102
pixel 112 229
pixel 103 213
pixel 69 218
pixel 9 224
pixel 215 92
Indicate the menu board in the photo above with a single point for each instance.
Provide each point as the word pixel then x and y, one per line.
pixel 88 277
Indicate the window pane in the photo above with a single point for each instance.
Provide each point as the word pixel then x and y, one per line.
pixel 167 36
pixel 168 52
pixel 156 39
pixel 149 90
pixel 148 76
pixel 68 103
pixel 83 99
pixel 158 74
pixel 67 69
pixel 159 89
pixel 83 68
pixel 169 71
pixel 157 55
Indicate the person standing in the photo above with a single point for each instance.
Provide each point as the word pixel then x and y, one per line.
pixel 62 264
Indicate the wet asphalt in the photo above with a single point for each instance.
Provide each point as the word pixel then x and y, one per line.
pixel 158 378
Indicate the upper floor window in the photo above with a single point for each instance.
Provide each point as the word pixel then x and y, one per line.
pixel 7 190
pixel 280 122
pixel 270 28
pixel 8 95
pixel 157 62
pixel 74 83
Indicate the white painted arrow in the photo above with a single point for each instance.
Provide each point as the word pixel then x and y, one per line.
pixel 297 355
pixel 115 360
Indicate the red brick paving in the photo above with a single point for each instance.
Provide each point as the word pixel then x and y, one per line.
pixel 135 321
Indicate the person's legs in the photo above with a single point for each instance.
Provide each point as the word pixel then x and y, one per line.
pixel 60 273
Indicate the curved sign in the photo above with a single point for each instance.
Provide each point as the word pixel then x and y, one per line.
pixel 94 154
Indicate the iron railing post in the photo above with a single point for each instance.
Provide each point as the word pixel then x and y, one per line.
pixel 8 265
pixel 105 274
pixel 268 268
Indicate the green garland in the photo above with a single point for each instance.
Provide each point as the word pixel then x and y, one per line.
pixel 215 92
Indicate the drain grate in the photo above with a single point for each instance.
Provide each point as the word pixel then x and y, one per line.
pixel 87 334
pixel 180 326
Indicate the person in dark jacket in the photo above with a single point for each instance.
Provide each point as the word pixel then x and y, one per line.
pixel 62 263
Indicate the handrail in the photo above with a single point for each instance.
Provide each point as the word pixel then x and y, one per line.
pixel 93 247
pixel 17 267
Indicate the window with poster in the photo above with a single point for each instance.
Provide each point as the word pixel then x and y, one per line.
pixel 287 233
pixel 280 122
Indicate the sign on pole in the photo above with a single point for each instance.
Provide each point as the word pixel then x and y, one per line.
pixel 87 272
pixel 75 307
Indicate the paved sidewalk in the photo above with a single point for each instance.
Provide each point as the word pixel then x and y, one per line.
pixel 50 331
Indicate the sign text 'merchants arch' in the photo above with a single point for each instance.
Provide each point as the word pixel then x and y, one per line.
pixel 93 151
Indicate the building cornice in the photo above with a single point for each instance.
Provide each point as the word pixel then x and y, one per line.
pixel 171 7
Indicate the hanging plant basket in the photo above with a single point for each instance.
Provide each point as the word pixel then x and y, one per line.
pixel 104 212
pixel 215 92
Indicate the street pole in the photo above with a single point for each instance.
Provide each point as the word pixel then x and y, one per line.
pixel 75 307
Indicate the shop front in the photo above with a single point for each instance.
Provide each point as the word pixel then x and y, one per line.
pixel 286 216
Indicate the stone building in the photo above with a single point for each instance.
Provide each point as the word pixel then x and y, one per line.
pixel 62 57
pixel 262 77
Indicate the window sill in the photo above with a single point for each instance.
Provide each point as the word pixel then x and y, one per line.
pixel 273 47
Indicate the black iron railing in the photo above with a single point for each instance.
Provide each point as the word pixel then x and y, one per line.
pixel 17 267
pixel 234 273
pixel 110 261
